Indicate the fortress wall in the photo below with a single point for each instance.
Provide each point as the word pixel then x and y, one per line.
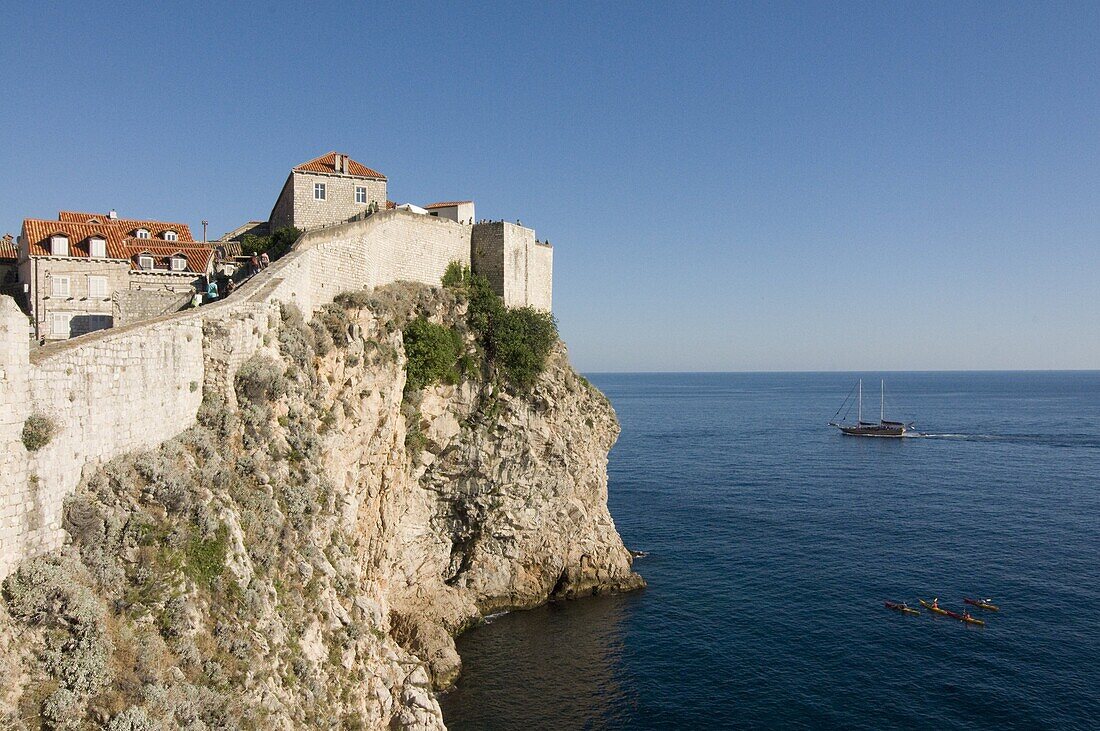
pixel 518 267
pixel 540 276
pixel 133 387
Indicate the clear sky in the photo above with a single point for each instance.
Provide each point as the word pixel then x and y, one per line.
pixel 727 186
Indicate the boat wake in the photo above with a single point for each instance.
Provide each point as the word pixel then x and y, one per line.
pixel 1086 441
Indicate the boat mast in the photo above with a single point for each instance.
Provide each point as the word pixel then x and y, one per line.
pixel 859 417
pixel 882 401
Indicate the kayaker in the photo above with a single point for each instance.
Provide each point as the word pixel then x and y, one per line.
pixel 935 602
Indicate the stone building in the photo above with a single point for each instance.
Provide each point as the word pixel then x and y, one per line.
pixel 331 189
pixel 86 271
pixel 459 211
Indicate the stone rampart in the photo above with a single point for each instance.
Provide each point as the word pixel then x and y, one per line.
pixel 132 387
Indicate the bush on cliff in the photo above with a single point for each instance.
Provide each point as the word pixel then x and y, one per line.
pixel 260 379
pixel 38 430
pixel 518 340
pixel 433 352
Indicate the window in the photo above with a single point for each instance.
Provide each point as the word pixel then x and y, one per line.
pixel 59 245
pixel 97 247
pixel 171 236
pixel 178 263
pixel 318 191
pixel 59 324
pixel 97 287
pixel 145 262
pixel 360 194
pixel 60 287
pixel 142 233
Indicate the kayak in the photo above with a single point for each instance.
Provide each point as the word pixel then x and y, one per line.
pixel 900 607
pixel 982 604
pixel 929 607
pixel 966 618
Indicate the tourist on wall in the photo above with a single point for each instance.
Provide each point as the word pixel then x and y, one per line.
pixel 264 260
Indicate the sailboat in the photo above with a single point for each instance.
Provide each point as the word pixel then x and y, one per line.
pixel 881 428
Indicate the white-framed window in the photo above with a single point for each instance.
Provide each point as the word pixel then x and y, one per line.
pixel 97 247
pixel 318 191
pixel 60 287
pixel 142 233
pixel 145 262
pixel 360 194
pixel 97 287
pixel 59 323
pixel 59 245
pixel 178 263
pixel 171 236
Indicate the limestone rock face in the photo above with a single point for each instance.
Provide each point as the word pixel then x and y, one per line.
pixel 304 556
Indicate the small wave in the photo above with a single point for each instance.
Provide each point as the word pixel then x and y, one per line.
pixel 490 618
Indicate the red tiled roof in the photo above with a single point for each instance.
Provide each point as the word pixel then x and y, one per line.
pixel 327 164
pixel 38 232
pixel 115 232
pixel 129 225
pixel 7 248
pixel 198 257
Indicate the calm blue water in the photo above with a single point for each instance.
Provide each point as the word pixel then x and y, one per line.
pixel 772 542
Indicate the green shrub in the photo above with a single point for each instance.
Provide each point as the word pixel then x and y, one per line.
pixel 38 430
pixel 432 351
pixel 205 559
pixel 260 379
pixel 484 305
pixel 276 245
pixel 456 276
pixel 520 341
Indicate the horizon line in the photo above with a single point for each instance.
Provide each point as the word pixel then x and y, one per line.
pixel 870 370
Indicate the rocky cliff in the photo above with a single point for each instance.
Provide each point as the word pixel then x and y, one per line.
pixel 304 555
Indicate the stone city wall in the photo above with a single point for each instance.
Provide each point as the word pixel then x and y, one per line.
pixel 132 387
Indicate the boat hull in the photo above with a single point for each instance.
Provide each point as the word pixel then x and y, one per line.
pixel 874 430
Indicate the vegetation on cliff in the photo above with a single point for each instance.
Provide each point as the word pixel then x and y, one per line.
pixel 516 341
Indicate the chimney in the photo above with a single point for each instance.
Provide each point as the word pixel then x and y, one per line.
pixel 338 165
pixel 113 215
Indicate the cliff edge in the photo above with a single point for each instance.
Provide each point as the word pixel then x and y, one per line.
pixel 304 555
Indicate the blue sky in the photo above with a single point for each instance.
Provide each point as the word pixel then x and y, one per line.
pixel 728 186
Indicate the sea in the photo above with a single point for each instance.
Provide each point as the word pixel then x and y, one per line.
pixel 771 542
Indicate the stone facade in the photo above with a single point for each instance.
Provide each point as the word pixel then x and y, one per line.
pixel 56 316
pixel 73 270
pixel 346 194
pixel 517 265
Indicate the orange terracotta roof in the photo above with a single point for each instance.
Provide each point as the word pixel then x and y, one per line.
pixel 7 248
pixel 156 228
pixel 198 257
pixel 327 164
pixel 37 233
pixel 80 227
pixel 446 204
